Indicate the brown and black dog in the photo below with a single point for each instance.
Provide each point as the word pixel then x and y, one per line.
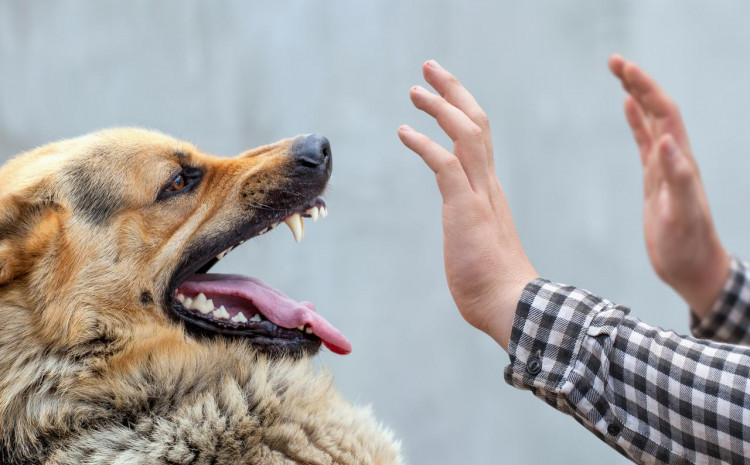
pixel 116 347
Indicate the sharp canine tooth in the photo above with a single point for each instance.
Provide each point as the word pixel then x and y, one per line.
pixel 239 318
pixel 297 226
pixel 188 303
pixel 256 318
pixel 308 330
pixel 301 328
pixel 221 313
pixel 180 298
pixel 323 212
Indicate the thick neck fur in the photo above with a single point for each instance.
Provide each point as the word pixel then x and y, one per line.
pixel 164 398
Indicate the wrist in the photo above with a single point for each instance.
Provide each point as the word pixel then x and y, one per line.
pixel 703 291
pixel 500 324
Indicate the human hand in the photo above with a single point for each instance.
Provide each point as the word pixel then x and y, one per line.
pixel 485 264
pixel 681 240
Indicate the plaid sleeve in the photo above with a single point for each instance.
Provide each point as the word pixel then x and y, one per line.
pixel 652 395
pixel 729 319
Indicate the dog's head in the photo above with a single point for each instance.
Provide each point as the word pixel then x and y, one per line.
pixel 117 230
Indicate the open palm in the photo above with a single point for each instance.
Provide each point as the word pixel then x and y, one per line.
pixel 681 240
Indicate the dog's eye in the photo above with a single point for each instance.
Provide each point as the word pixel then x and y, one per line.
pixel 187 180
pixel 177 184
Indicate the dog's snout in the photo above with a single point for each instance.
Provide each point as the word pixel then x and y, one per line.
pixel 312 152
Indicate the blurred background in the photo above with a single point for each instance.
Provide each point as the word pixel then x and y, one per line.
pixel 232 75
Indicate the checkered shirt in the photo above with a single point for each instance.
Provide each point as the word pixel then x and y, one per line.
pixel 729 319
pixel 653 395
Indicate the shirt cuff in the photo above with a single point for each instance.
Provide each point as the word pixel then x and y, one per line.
pixel 729 318
pixel 549 326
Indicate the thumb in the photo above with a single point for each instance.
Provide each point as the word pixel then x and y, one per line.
pixel 678 172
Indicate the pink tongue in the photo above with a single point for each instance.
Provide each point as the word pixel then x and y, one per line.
pixel 280 309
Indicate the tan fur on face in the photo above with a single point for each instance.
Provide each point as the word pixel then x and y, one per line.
pixel 94 370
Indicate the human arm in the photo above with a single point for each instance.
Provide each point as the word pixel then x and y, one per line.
pixel 681 239
pixel 651 394
pixel 485 264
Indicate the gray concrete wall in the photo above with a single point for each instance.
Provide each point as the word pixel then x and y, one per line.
pixel 230 75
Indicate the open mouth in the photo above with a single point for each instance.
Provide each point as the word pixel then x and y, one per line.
pixel 241 306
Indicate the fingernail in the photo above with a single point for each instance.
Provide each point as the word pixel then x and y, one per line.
pixel 419 89
pixel 434 64
pixel 405 128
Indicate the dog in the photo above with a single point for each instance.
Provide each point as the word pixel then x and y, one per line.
pixel 117 347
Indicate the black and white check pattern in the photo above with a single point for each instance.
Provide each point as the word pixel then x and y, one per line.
pixel 654 396
pixel 729 320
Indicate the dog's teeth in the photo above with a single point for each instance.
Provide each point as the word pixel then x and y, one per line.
pixel 297 225
pixel 256 318
pixel 188 303
pixel 239 318
pixel 323 212
pixel 221 313
pixel 221 255
pixel 308 330
pixel 180 298
pixel 313 212
pixel 301 327
pixel 202 304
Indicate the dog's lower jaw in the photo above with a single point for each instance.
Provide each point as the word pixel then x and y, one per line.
pixel 220 403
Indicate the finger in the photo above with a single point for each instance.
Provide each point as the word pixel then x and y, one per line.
pixel 682 182
pixel 654 100
pixel 659 108
pixel 657 105
pixel 449 87
pixel 450 176
pixel 616 64
pixel 641 132
pixel 679 173
pixel 467 136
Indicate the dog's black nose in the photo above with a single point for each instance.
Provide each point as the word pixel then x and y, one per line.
pixel 312 152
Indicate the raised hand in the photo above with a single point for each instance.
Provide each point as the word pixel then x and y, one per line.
pixel 681 240
pixel 485 264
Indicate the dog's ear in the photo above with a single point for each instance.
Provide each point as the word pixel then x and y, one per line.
pixel 27 226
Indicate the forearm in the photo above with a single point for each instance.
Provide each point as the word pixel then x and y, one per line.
pixel 653 395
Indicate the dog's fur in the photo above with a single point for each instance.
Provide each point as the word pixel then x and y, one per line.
pixel 94 368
